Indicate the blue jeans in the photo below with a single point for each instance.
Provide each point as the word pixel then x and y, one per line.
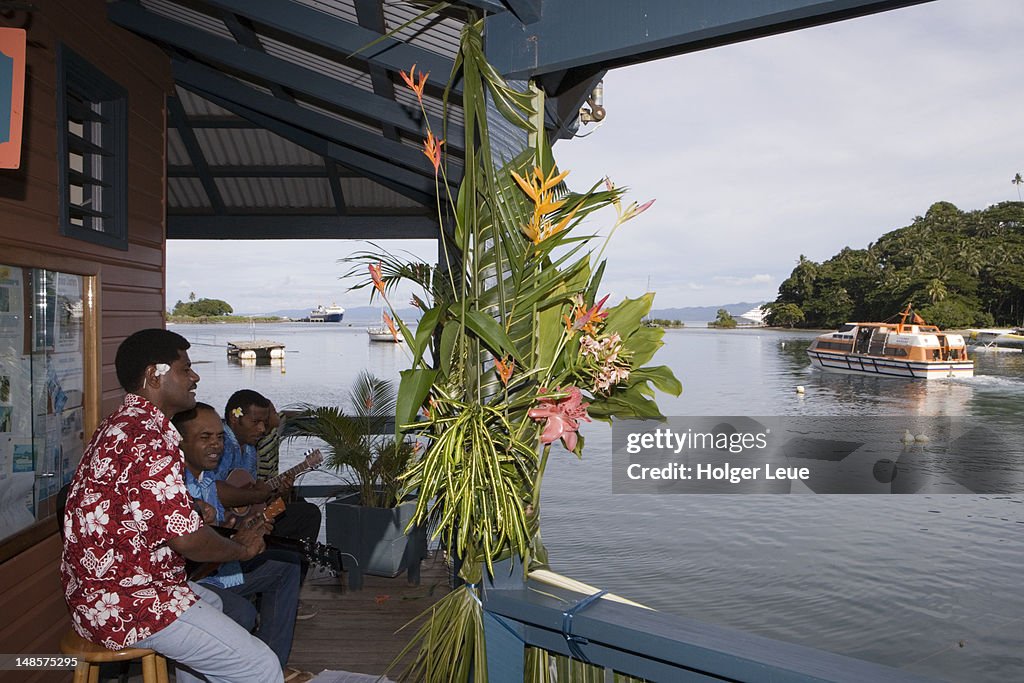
pixel 212 647
pixel 276 581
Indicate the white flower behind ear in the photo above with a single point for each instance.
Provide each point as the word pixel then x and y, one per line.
pixel 238 412
pixel 161 369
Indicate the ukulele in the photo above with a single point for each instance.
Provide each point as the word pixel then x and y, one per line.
pixel 242 479
pixel 200 570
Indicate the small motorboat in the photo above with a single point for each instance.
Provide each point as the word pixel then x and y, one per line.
pixel 907 348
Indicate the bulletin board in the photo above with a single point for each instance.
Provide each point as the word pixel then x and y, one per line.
pixel 42 353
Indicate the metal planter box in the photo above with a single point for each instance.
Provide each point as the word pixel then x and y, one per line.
pixel 374 539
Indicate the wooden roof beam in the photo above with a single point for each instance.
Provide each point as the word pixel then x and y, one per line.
pixel 276 71
pixel 341 36
pixel 604 34
pixel 291 226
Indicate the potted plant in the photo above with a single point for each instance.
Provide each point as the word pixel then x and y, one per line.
pixel 368 524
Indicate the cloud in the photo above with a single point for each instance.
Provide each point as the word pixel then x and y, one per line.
pixel 734 281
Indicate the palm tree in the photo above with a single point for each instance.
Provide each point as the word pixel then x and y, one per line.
pixel 354 441
pixel 1018 181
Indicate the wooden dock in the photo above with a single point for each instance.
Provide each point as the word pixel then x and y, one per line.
pixel 256 349
pixel 356 631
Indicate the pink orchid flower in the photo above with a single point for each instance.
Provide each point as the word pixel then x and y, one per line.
pixel 563 417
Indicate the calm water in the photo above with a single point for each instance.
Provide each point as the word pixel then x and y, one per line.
pixel 927 583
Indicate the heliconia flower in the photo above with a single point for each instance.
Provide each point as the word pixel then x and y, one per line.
pixel 562 417
pixel 585 319
pixel 378 279
pixel 432 150
pixel 633 211
pixel 505 367
pixel 410 80
pixel 391 325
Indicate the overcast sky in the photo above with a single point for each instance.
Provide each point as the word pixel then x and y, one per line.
pixel 801 143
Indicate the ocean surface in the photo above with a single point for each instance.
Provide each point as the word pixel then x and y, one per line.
pixel 928 583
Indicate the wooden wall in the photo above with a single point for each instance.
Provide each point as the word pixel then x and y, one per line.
pixel 130 283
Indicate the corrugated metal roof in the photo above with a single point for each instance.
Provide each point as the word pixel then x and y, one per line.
pixel 177 155
pixel 251 147
pixel 227 140
pixel 186 15
pixel 316 62
pixel 275 193
pixel 438 34
pixel 196 105
pixel 343 9
pixel 186 193
pixel 363 193
pixel 334 114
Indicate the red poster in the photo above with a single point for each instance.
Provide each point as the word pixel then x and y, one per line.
pixel 12 95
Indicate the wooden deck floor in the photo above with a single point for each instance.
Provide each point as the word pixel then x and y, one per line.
pixel 356 630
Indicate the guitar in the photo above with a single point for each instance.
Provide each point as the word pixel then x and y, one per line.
pixel 320 554
pixel 200 570
pixel 242 479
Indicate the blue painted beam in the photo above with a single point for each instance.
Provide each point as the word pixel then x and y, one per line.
pixel 529 11
pixel 612 33
pixel 244 36
pixel 290 226
pixel 176 118
pixel 252 171
pixel 342 36
pixel 334 179
pixel 274 70
pixel 489 6
pixel 370 15
pixel 659 646
pixel 406 183
pixel 207 81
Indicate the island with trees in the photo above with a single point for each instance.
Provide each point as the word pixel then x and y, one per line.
pixel 957 268
pixel 210 311
pixel 724 320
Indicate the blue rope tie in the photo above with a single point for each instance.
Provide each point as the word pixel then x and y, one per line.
pixel 572 641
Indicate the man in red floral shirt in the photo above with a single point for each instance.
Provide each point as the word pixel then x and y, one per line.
pixel 129 525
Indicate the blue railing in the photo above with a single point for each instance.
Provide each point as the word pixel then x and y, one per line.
pixel 650 645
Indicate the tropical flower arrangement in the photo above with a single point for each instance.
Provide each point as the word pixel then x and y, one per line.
pixel 514 350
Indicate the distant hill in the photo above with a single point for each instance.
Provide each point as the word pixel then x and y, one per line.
pixel 702 313
pixel 371 314
pixel 358 314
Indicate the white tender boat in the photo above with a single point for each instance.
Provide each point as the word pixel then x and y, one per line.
pixel 911 349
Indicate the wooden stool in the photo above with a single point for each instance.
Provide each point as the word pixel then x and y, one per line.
pixel 91 656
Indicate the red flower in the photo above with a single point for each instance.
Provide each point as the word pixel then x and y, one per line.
pixel 432 150
pixel 391 325
pixel 505 368
pixel 410 80
pixel 585 319
pixel 563 417
pixel 378 279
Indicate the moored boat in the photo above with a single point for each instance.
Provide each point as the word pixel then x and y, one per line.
pixel 383 334
pixel 327 314
pixel 986 338
pixel 907 348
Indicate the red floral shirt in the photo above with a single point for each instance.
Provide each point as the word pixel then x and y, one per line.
pixel 122 582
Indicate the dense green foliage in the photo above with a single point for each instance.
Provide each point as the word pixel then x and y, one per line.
pixel 663 322
pixel 957 268
pixel 202 307
pixel 724 319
